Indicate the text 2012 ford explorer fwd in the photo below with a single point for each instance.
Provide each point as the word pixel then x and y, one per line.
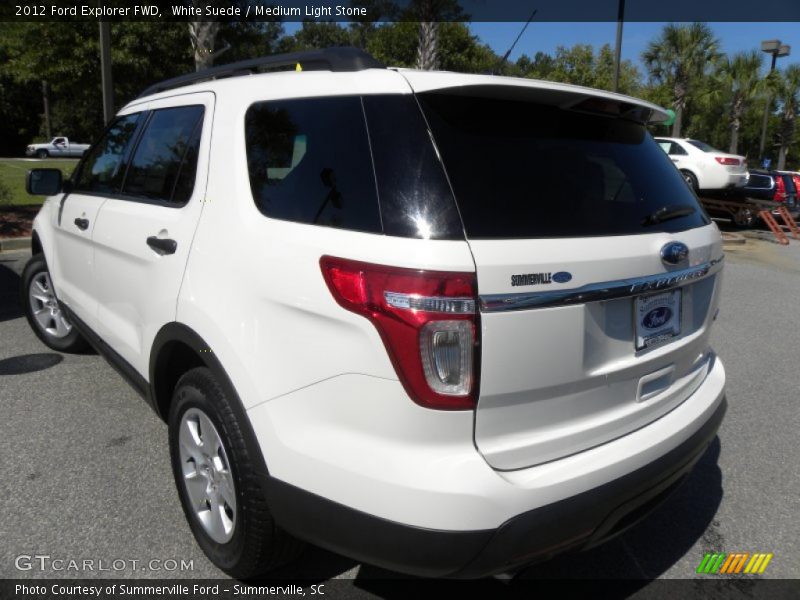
pixel 447 324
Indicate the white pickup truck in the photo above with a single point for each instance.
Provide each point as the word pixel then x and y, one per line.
pixel 58 146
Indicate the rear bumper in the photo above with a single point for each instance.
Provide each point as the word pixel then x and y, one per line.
pixel 578 522
pixel 714 179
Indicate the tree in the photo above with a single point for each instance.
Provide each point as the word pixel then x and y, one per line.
pixel 459 50
pixel 316 34
pixel 580 65
pixel 681 56
pixel 65 55
pixel 362 28
pixel 739 78
pixel 430 14
pixel 786 88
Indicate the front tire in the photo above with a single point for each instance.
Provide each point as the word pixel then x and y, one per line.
pixel 218 482
pixel 40 304
pixel 42 153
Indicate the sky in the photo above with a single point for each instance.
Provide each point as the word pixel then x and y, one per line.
pixel 546 36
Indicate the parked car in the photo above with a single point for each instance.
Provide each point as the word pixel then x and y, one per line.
pixel 58 146
pixel 704 167
pixel 367 330
pixel 777 186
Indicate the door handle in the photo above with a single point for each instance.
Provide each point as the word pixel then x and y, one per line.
pixel 83 224
pixel 162 245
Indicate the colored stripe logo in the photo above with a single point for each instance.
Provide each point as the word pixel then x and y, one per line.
pixel 722 563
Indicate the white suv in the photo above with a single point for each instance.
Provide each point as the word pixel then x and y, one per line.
pixel 447 324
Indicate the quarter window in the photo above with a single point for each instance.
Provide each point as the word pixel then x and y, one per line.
pixel 101 170
pixel 165 160
pixel 309 161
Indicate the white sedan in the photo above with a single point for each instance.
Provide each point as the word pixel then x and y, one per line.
pixel 704 167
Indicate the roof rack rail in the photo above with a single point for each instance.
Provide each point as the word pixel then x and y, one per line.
pixel 338 59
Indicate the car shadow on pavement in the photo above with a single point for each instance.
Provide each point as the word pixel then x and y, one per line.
pixel 29 363
pixel 9 295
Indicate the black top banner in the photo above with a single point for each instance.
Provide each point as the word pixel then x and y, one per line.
pixel 403 10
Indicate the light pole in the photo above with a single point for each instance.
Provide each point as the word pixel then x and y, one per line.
pixel 776 49
pixel 618 47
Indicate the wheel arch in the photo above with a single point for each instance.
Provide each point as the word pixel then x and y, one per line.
pixel 693 173
pixel 36 244
pixel 178 348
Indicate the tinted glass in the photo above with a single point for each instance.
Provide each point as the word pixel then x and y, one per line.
pixel 677 150
pixel 101 170
pixel 703 146
pixel 758 180
pixel 167 147
pixel 415 198
pixel 309 161
pixel 523 170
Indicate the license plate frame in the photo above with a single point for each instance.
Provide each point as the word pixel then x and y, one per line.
pixel 657 318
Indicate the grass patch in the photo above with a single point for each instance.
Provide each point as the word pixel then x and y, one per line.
pixel 12 178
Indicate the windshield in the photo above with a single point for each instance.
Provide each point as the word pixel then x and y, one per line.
pixel 703 146
pixel 525 170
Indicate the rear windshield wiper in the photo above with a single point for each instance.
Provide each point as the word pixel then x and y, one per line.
pixel 667 213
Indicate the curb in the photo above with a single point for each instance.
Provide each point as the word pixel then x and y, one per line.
pixel 19 243
pixel 733 239
pixel 765 236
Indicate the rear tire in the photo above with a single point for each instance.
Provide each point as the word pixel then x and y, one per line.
pixel 691 180
pixel 40 304
pixel 42 153
pixel 234 527
pixel 744 218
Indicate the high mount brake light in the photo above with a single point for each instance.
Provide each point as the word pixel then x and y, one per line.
pixel 428 321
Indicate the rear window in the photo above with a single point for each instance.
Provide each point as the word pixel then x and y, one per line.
pixel 525 170
pixel 703 146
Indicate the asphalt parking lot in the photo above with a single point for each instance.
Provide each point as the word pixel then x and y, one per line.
pixel 87 476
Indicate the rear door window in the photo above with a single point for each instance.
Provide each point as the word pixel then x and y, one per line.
pixel 525 170
pixel 309 161
pixel 164 162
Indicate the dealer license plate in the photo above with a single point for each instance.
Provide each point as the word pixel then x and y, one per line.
pixel 657 317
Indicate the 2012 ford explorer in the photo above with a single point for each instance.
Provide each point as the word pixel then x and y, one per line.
pixel 447 324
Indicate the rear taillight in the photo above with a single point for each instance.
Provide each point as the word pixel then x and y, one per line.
pixel 726 160
pixel 780 190
pixel 428 321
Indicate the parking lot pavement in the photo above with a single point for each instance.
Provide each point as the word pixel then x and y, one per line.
pixel 86 462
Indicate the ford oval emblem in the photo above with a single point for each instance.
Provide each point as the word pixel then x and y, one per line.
pixel 562 277
pixel 674 253
pixel 657 317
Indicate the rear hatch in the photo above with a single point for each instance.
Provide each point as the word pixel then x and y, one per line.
pixel 568 205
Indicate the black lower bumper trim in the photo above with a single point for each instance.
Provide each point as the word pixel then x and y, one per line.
pixel 577 522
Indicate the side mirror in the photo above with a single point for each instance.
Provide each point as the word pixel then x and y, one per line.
pixel 44 182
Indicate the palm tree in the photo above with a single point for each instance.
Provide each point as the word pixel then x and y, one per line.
pixel 429 13
pixel 679 57
pixel 427 47
pixel 786 89
pixel 739 78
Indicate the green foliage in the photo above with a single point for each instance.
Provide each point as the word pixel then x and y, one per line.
pixel 459 50
pixel 681 57
pixel 316 34
pixel 713 95
pixel 581 65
